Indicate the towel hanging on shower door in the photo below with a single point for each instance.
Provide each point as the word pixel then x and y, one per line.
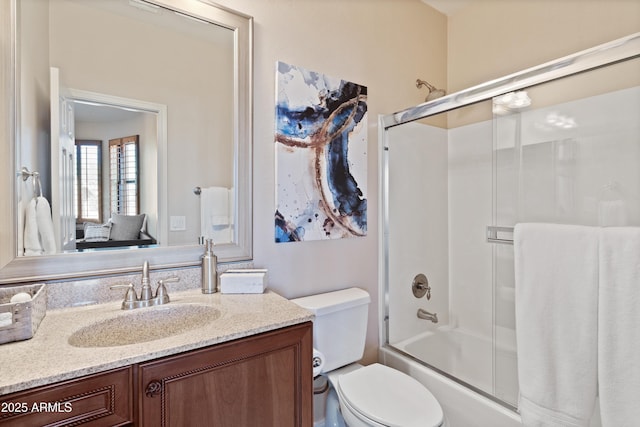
pixel 619 326
pixel 556 270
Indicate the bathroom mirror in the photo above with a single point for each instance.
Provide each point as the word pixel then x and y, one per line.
pixel 156 58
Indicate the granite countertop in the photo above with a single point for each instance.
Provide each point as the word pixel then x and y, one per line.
pixel 48 357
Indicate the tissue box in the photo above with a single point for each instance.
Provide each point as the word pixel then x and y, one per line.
pixel 243 281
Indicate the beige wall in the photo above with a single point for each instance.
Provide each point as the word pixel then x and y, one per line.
pixel 489 39
pixel 384 45
pixel 492 38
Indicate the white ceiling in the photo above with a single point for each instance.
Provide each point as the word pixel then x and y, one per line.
pixel 448 7
pixel 87 112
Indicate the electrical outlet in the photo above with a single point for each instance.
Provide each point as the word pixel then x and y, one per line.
pixel 177 223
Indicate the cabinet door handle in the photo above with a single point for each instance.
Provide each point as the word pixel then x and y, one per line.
pixel 153 388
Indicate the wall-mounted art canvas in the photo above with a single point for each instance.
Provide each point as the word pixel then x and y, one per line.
pixel 321 155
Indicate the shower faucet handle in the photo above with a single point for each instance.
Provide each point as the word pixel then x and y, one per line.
pixel 420 286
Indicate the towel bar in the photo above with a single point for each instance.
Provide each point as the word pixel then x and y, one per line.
pixel 492 234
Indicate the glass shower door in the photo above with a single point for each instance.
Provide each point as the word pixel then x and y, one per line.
pixel 566 154
pixel 455 185
pixel 506 163
pixel 439 202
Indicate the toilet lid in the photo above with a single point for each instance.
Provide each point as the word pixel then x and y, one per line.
pixel 390 397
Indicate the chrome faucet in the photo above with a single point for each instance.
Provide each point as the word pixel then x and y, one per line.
pixel 147 299
pixel 425 315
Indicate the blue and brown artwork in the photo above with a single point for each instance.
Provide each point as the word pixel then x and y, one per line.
pixel 321 155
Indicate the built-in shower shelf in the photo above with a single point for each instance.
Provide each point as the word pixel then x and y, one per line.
pixel 496 234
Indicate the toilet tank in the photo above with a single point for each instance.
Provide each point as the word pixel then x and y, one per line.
pixel 340 325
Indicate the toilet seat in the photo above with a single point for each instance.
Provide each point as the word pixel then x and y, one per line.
pixel 389 398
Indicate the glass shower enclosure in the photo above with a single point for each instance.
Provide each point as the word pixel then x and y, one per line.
pixel 551 144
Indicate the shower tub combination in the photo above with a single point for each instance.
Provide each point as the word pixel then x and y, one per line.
pixel 554 143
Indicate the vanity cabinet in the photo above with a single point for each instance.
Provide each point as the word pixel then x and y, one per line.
pixel 265 380
pixel 261 380
pixel 98 400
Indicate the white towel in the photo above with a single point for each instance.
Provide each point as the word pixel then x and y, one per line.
pixel 45 225
pixel 215 219
pixel 31 239
pixel 556 269
pixel 619 327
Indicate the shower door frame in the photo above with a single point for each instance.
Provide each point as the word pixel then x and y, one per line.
pixel 623 49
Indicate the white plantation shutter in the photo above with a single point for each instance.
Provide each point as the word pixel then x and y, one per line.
pixel 124 175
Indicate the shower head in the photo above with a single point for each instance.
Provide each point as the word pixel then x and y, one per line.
pixel 434 93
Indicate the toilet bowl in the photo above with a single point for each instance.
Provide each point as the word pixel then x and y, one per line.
pixel 367 396
pixel 379 396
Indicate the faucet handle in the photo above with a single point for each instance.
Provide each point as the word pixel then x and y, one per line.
pixel 169 279
pixel 131 295
pixel 161 291
pixel 145 270
pixel 162 282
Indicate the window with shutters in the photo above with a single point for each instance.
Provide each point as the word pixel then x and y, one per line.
pixel 124 174
pixel 88 183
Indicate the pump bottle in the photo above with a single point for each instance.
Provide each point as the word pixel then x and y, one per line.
pixel 209 269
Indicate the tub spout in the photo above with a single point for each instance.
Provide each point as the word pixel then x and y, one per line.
pixel 425 315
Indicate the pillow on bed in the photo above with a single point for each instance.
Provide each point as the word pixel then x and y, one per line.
pixel 96 232
pixel 126 227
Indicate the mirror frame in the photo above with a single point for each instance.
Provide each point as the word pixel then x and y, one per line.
pixel 14 269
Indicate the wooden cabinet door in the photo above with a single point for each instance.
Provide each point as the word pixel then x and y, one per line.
pixel 99 400
pixel 264 380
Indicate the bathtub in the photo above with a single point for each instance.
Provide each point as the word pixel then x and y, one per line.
pixel 462 406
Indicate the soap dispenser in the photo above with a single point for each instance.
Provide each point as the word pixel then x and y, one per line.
pixel 209 269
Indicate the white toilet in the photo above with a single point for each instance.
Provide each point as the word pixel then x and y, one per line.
pixel 374 395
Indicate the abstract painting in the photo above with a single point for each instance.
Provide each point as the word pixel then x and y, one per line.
pixel 321 155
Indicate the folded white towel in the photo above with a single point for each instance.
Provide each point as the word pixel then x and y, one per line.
pixel 215 218
pixel 45 225
pixel 31 240
pixel 556 269
pixel 619 327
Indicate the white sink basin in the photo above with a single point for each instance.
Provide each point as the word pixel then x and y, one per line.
pixel 144 324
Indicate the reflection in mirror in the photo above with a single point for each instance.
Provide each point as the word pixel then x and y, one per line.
pixel 117 142
pixel 148 62
pixel 115 174
pixel 191 58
